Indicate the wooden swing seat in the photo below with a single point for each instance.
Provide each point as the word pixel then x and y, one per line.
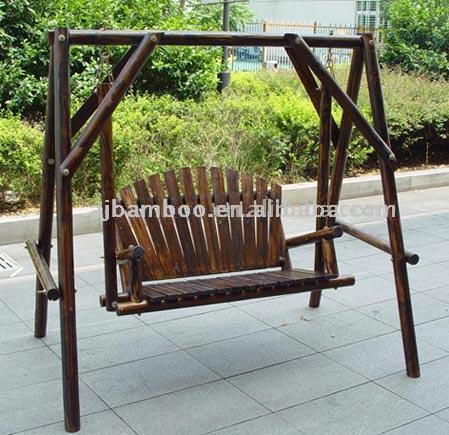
pixel 244 243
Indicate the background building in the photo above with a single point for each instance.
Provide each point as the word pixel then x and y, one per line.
pixel 360 13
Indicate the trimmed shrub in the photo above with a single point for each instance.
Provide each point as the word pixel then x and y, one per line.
pixel 263 124
pixel 20 161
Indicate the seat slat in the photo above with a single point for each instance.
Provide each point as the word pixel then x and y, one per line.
pixel 195 221
pixel 237 258
pixel 232 284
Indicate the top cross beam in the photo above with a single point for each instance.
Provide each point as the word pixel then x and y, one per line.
pixel 129 37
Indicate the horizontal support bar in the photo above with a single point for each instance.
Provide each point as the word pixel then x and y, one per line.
pixel 49 286
pixel 410 257
pixel 126 308
pixel 315 236
pixel 218 39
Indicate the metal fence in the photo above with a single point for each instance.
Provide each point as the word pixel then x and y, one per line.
pixel 256 58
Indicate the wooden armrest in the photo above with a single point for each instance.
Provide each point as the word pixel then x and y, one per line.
pixel 316 236
pixel 49 287
pixel 134 256
pixel 131 253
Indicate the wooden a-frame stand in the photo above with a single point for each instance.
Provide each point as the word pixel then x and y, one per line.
pixel 61 160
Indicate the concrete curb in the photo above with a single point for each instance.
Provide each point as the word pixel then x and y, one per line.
pixel 359 187
pixel 17 229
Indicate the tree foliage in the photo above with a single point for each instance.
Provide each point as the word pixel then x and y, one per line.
pixel 187 72
pixel 417 38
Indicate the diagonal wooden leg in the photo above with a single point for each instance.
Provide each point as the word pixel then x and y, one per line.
pixel 66 274
pixel 46 204
pixel 344 138
pixel 323 184
pixel 393 218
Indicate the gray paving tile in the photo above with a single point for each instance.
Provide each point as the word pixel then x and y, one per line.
pixel 209 327
pixel 365 292
pixel 119 347
pixel 90 322
pixel 195 410
pixel 380 356
pixel 166 315
pixel 6 315
pixel 253 351
pixel 375 264
pixel 353 248
pixel 101 423
pixel 347 269
pixel 327 332
pixel 17 337
pixel 86 297
pixel 40 404
pixel 427 277
pixel 29 367
pixel 295 382
pixel 16 288
pixel 436 333
pixel 366 409
pixel 267 425
pixel 425 309
pixel 290 309
pixel 443 414
pixel 148 378
pixel 440 293
pixel 430 425
pixel 417 239
pixel 430 391
pixel 93 275
pixel 432 253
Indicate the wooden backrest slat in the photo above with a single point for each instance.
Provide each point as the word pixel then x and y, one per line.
pixel 210 227
pixel 238 228
pixel 195 221
pixel 232 180
pixel 248 221
pixel 224 233
pixel 275 227
pixel 168 225
pixel 141 234
pixel 262 222
pixel 154 228
pixel 181 223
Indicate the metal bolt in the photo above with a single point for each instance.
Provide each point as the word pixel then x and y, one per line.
pixel 298 40
pixel 51 161
pixel 372 42
pixel 61 38
pixel 65 172
pixel 153 38
pixel 392 157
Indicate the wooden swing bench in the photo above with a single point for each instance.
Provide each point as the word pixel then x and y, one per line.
pixel 166 248
pixel 187 259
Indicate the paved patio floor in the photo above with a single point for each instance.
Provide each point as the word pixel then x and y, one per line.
pixel 270 366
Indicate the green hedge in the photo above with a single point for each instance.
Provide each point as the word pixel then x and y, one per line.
pixel 20 163
pixel 264 124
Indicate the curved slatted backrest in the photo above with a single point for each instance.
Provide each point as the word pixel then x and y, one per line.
pixel 194 223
